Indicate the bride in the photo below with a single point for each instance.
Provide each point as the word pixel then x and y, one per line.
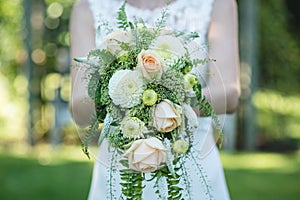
pixel 216 23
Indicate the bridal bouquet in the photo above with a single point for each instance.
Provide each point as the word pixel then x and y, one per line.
pixel 144 90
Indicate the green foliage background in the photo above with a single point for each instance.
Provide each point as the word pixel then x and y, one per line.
pixel 277 100
pixel 11 45
pixel 279 48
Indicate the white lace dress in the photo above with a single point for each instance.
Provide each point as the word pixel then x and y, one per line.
pixel 206 177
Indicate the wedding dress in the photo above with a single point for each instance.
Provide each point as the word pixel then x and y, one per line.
pixel 206 177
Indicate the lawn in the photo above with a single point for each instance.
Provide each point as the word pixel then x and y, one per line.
pixel 65 174
pixel 39 175
pixel 263 176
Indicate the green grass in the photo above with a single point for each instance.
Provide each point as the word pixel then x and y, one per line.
pixel 263 176
pixel 43 177
pixel 44 174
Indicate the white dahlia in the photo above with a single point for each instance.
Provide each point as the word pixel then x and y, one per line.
pixel 126 88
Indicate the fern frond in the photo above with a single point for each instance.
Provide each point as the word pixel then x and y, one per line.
pixel 132 184
pixel 90 133
pixel 122 18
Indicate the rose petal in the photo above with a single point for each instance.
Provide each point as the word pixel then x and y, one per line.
pixel 142 152
pixel 159 122
pixel 134 145
pixel 146 74
pixel 136 167
pixel 130 162
pixel 168 123
pixel 147 168
pixel 155 143
pixel 161 157
pixel 164 110
pixel 152 159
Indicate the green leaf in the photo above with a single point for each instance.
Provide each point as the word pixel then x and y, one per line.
pixel 92 131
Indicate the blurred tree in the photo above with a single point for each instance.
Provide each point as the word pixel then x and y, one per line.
pixel 12 52
pixel 56 46
pixel 279 49
pixel 279 61
pixel 294 17
pixel 12 56
pixel 248 29
pixel 47 41
pixel 278 71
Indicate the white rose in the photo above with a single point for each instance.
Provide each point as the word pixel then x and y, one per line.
pixel 150 64
pixel 146 155
pixel 168 46
pixel 166 116
pixel 166 31
pixel 115 39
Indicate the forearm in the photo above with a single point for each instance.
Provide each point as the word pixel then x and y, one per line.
pixel 223 87
pixel 81 105
pixel 82 41
pixel 224 99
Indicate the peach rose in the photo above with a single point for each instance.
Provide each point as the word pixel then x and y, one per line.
pixel 150 64
pixel 114 40
pixel 146 155
pixel 166 116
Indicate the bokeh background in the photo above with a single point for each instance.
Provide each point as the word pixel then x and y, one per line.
pixel 40 154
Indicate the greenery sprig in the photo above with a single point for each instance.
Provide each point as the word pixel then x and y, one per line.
pixel 132 184
pixel 90 133
pixel 202 176
pixel 173 179
pixel 123 23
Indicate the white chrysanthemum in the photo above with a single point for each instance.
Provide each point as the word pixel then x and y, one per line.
pixel 168 46
pixel 125 88
pixel 133 127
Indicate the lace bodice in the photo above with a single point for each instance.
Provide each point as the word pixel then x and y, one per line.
pixel 188 16
pixel 192 15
